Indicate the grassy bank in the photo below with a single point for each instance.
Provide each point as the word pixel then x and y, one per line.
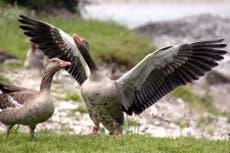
pixel 109 42
pixel 51 142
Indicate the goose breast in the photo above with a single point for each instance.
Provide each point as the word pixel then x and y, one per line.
pixel 103 102
pixel 41 110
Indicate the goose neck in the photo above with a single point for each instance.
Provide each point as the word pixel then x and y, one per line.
pixel 89 60
pixel 47 78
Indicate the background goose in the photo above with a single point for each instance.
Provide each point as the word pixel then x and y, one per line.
pixel 6 57
pixel 156 75
pixel 35 58
pixel 28 107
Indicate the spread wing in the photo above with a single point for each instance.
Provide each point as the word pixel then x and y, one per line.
pixel 56 43
pixel 164 70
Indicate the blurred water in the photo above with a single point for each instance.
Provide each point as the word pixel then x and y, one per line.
pixel 133 15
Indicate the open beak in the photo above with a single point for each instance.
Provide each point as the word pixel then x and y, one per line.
pixel 64 63
pixel 77 39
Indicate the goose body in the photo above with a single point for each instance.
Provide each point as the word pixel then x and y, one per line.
pixel 153 77
pixel 29 107
pixel 103 102
pixel 34 110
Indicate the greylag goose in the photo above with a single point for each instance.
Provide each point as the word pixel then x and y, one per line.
pixel 153 77
pixel 28 107
pixel 6 57
pixel 35 58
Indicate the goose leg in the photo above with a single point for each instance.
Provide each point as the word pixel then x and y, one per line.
pixel 95 129
pixel 32 128
pixel 116 131
pixel 8 127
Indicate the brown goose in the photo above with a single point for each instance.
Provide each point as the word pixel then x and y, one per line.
pixel 156 75
pixel 28 107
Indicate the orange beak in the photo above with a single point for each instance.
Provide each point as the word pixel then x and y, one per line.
pixel 77 38
pixel 64 63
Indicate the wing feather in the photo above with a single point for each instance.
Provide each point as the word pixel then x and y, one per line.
pixel 54 42
pixel 164 70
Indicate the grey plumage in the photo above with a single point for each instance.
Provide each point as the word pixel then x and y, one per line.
pixel 188 62
pixel 156 75
pixel 103 101
pixel 35 58
pixel 28 107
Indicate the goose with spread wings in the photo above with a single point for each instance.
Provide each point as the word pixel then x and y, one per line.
pixel 152 78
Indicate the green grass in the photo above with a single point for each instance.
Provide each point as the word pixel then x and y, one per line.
pixel 12 39
pixel 186 93
pixel 51 142
pixel 80 109
pixel 72 96
pixel 109 42
pixel 134 123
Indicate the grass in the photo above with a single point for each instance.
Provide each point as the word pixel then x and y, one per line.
pixel 185 92
pixel 51 142
pixel 72 96
pixel 134 123
pixel 12 39
pixel 80 109
pixel 109 42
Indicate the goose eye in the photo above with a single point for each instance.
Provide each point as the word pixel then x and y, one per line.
pixel 85 42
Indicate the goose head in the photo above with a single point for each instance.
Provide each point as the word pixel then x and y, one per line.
pixel 81 43
pixel 53 65
pixel 83 47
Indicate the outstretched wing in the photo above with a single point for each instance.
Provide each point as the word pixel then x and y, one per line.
pixel 56 43
pixel 164 70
